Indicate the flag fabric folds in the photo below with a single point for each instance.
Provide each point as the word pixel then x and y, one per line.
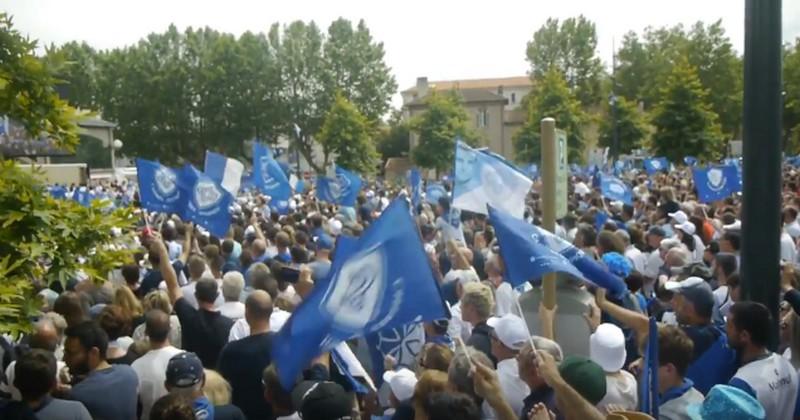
pixel 415 182
pixel 206 202
pixel 716 183
pixel 648 387
pixel 433 192
pixel 158 187
pixel 403 343
pixel 383 281
pixel 656 164
pixel 225 171
pixel 268 176
pixel 483 178
pixel 342 190
pixel 525 249
pixel 615 189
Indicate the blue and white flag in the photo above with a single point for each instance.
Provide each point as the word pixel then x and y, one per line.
pixel 531 170
pixel 656 164
pixel 58 192
pixel 382 282
pixel 225 171
pixel 158 187
pixel 648 387
pixel 206 202
pixel 268 176
pixel 415 183
pixel 690 161
pixel 433 192
pixel 525 249
pixel 403 343
pixel 483 179
pixel 82 196
pixel 716 183
pixel 615 189
pixel 342 190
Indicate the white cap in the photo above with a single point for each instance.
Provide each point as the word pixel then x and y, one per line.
pixel 582 189
pixel 511 331
pixel 607 347
pixel 402 383
pixel 335 226
pixel 737 225
pixel 679 217
pixel 686 227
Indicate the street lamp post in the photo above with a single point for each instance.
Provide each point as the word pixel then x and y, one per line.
pixel 612 101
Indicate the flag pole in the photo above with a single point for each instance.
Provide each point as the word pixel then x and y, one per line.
pixel 549 157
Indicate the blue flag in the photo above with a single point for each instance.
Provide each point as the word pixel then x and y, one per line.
pixel 83 196
pixel 690 161
pixel 615 189
pixel 206 203
pixel 656 164
pixel 483 179
pixel 433 192
pixel 403 343
pixel 58 192
pixel 225 171
pixel 268 176
pixel 648 387
pixel 342 190
pixel 381 282
pixel 525 250
pixel 716 183
pixel 532 170
pixel 415 182
pixel 158 187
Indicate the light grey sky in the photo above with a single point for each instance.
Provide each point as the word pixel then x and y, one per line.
pixel 441 39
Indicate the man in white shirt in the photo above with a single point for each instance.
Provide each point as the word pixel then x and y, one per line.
pixel 197 269
pixel 509 336
pixel 765 375
pixel 791 225
pixel 634 255
pixel 232 285
pixel 788 248
pixel 151 368
pixel 504 294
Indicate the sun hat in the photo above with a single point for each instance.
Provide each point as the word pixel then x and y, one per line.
pixel 607 347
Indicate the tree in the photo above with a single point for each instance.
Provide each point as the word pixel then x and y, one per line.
pixel 27 88
pixel 631 127
pixel 684 121
pixel 393 138
pixel 78 77
pixel 443 121
pixel 791 98
pixel 550 97
pixel 347 134
pixel 571 49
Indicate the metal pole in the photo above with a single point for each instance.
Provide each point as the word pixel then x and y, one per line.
pixel 548 147
pixel 761 206
pixel 615 144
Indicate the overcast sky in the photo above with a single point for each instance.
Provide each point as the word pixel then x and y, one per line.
pixel 441 39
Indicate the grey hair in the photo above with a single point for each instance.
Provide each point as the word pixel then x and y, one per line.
pixel 56 320
pixel 680 255
pixel 232 285
pixel 546 345
pixel 459 375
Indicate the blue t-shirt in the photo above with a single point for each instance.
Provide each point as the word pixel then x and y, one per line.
pixel 109 393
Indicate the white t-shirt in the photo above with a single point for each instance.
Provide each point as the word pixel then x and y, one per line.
pixel 621 390
pixel 151 370
pixel 458 327
pixel 514 389
pixel 232 310
pixel 504 297
pixel 637 258
pixel 241 328
pixel 772 380
pixel 788 248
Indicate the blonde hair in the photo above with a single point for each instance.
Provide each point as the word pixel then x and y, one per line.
pixel 157 299
pixel 480 297
pixel 124 297
pixel 216 389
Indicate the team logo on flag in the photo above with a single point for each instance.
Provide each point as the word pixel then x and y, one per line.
pixel 655 164
pixel 716 179
pixel 269 181
pixel 207 195
pixel 340 188
pixel 166 182
pixel 616 188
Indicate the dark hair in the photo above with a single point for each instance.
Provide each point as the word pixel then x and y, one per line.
pixel 688 241
pixel 436 357
pixel 450 405
pixel 713 247
pixel 35 374
pixel 226 247
pixel 588 235
pixel 89 335
pixel 115 321
pixel 726 262
pixel 634 281
pixel 734 238
pixel 157 325
pixel 299 255
pixel 168 232
pixel 71 307
pixel 130 273
pixel 316 221
pixel 172 407
pixel 610 242
pixel 206 290
pixel 675 347
pixel 733 281
pixel 754 318
pixel 300 237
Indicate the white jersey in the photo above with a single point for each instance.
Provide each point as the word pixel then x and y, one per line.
pixel 773 381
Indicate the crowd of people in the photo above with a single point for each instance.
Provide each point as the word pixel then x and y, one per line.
pixel 185 329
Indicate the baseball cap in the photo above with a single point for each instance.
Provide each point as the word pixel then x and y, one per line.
pixel 510 330
pixel 184 370
pixel 335 226
pixel 321 400
pixel 657 231
pixel 696 291
pixel 725 401
pixel 607 347
pixel 584 376
pixel 402 383
pixel 687 227
pixel 325 242
pixel 679 217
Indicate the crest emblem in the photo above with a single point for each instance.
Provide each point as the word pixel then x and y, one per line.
pixel 352 299
pixel 656 164
pixel 339 187
pixel 716 179
pixel 166 182
pixel 206 194
pixel 616 188
pixel 269 181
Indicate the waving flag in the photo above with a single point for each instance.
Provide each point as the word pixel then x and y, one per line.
pixel 716 183
pixel 403 343
pixel 225 171
pixel 615 189
pixel 207 203
pixel 656 164
pixel 158 187
pixel 83 196
pixel 58 192
pixel 383 281
pixel 433 192
pixel 415 182
pixel 532 170
pixel 690 161
pixel 525 250
pixel 483 179
pixel 342 190
pixel 268 176
pixel 648 387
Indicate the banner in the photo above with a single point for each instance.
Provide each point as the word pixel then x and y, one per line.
pixel 342 190
pixel 615 189
pixel 225 171
pixel 716 183
pixel 207 203
pixel 158 187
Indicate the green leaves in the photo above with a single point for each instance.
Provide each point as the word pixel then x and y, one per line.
pixel 631 126
pixel 444 120
pixel 346 133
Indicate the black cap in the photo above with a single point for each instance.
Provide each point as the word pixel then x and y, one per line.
pixel 321 400
pixel 184 370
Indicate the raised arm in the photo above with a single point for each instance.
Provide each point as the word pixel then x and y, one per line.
pixel 634 320
pixel 187 243
pixel 167 271
pixel 575 406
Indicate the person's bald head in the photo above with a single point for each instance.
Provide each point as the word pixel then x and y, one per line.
pixel 259 247
pixel 258 307
pixel 45 335
pixel 156 324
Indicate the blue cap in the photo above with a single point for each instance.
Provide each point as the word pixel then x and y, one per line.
pixel 727 402
pixel 184 370
pixel 325 242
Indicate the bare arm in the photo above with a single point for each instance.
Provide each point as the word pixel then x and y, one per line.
pixel 634 320
pixel 574 405
pixel 187 244
pixel 487 385
pixel 167 272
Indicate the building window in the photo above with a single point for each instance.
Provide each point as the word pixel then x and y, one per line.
pixel 513 98
pixel 482 118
